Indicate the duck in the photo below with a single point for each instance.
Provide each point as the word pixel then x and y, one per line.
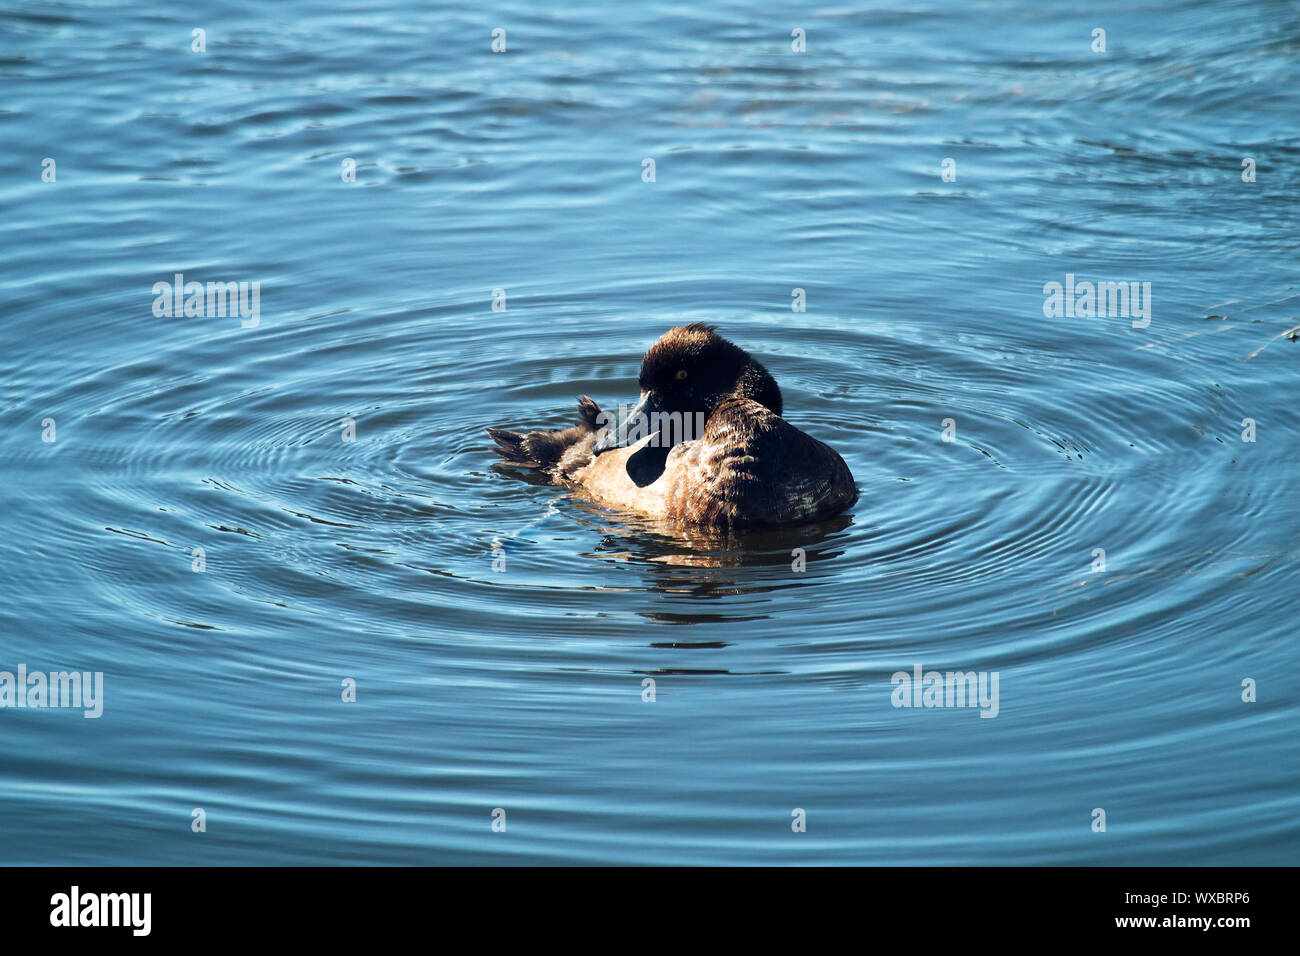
pixel 705 446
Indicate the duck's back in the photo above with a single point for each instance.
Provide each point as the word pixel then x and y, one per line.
pixel 752 467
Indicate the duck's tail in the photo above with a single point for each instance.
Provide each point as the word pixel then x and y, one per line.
pixel 544 449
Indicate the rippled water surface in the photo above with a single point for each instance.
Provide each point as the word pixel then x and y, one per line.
pixel 522 688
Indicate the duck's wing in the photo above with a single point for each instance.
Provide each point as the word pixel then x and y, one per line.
pixel 752 467
pixel 547 449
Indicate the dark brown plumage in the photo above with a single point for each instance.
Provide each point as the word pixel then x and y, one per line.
pixel 544 449
pixel 713 449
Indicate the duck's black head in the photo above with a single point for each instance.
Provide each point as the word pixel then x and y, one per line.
pixel 684 377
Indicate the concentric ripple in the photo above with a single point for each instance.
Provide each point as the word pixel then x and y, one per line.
pixel 232 521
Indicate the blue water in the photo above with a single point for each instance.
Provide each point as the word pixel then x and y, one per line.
pixel 521 688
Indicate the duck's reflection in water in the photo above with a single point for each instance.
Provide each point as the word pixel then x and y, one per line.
pixel 682 564
pixel 685 560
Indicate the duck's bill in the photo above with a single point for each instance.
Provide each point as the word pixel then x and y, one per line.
pixel 634 427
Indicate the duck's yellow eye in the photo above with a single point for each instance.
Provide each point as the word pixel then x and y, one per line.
pixel 681 374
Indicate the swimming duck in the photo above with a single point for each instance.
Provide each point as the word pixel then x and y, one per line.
pixel 706 444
